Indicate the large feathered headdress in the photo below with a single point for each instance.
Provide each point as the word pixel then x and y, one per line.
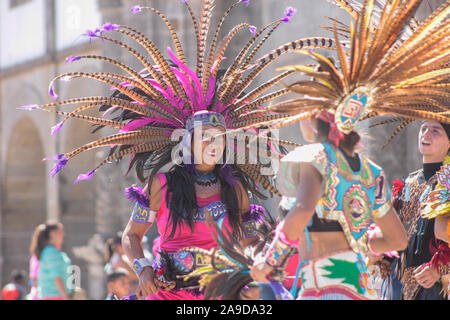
pixel 167 95
pixel 394 66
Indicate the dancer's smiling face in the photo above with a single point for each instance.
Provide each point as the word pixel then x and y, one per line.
pixel 433 142
pixel 209 147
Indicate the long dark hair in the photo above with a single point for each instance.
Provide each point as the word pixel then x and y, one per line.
pixel 41 237
pixel 181 197
pixel 349 142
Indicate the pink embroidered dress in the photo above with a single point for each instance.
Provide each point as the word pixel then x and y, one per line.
pixel 201 237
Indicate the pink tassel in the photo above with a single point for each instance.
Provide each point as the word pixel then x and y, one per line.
pixel 136 124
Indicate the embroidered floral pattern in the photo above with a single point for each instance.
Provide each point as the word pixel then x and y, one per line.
pixel 357 210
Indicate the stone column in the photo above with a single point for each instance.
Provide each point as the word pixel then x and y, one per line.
pixel 109 185
pixel 108 181
pixel 52 184
pixel 107 217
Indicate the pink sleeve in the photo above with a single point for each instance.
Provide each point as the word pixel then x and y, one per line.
pixel 156 246
pixel 34 267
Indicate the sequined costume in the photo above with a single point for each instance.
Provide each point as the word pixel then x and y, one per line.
pixel 410 199
pixel 389 67
pixel 353 198
pixel 154 111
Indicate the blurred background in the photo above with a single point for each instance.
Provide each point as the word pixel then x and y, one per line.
pixel 36 36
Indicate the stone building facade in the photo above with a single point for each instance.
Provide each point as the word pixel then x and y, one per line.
pixel 92 211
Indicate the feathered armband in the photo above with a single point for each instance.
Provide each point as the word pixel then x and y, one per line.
pixel 141 212
pixel 251 220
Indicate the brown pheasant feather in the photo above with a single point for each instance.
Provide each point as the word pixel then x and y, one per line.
pixel 383 72
pixel 149 106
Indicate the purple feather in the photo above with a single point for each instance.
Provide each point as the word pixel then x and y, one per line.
pixel 86 176
pixel 256 214
pixel 91 33
pixel 57 128
pixel 51 91
pixel 281 293
pixel 73 59
pixel 29 107
pixel 290 11
pixel 62 162
pixel 137 194
pixel 110 27
pixel 136 9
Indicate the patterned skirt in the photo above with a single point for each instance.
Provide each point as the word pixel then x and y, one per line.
pixel 338 276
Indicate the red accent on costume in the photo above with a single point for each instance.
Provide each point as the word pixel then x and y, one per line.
pixel 335 135
pixel 441 255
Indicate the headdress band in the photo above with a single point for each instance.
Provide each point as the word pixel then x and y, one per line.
pixel 206 118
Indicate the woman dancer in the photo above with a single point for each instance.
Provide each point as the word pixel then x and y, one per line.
pixel 161 108
pixel 329 179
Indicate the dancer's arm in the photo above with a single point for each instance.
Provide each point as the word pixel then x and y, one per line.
pixel 393 235
pixel 132 241
pixel 309 193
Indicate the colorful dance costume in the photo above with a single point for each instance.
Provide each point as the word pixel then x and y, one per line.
pixel 155 110
pixel 353 198
pixel 417 201
pixel 170 250
pixel 173 262
pixel 384 71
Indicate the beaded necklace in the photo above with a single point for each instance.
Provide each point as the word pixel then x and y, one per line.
pixel 206 182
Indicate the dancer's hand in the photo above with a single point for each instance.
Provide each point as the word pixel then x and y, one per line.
pixel 426 276
pixel 373 258
pixel 147 284
pixel 260 271
pixel 385 268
